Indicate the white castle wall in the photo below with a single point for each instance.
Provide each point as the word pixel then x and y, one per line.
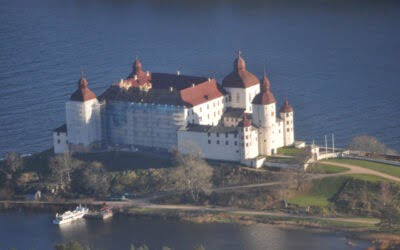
pixel 264 117
pixel 249 144
pixel 288 128
pixel 242 98
pixel 208 113
pixel 224 146
pixel 60 142
pixel 83 122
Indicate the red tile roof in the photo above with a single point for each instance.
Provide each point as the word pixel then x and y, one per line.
pixel 245 121
pixel 201 93
pixel 286 107
pixel 83 93
pixel 239 77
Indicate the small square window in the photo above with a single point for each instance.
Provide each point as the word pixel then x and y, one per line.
pixel 209 141
pixel 217 142
pixel 235 143
pixel 226 142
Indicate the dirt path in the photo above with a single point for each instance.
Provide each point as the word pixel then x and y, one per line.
pixel 254 212
pixel 360 170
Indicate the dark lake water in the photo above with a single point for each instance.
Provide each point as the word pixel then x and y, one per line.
pixel 35 232
pixel 336 61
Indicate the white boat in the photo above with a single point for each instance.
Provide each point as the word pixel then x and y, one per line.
pixel 70 216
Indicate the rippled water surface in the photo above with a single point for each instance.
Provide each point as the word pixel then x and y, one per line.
pixel 336 61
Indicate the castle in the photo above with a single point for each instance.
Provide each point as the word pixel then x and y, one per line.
pixel 232 121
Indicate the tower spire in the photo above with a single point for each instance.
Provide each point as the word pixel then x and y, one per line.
pixel 239 63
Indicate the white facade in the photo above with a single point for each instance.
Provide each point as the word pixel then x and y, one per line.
pixel 214 145
pixel 60 142
pixel 83 122
pixel 216 119
pixel 208 113
pixel 243 97
pixel 288 128
pixel 249 143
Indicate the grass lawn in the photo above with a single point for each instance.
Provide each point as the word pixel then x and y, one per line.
pixel 380 167
pixel 324 189
pixel 320 193
pixel 324 168
pixel 292 151
pixel 370 178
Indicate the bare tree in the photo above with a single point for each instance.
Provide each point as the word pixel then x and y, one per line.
pixel 299 173
pixel 13 162
pixel 192 174
pixel 92 179
pixel 61 167
pixel 390 215
pixel 386 195
pixel 286 180
pixel 366 143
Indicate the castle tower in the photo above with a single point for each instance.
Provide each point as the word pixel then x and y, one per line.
pixel 241 85
pixel 138 74
pixel 248 137
pixel 286 113
pixel 264 117
pixel 83 116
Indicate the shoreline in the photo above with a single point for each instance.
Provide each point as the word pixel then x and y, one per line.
pixel 370 235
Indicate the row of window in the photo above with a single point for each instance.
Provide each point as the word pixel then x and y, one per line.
pixel 226 142
pixel 226 135
pixel 215 103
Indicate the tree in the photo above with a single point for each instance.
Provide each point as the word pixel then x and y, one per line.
pixel 390 215
pixel 299 173
pixel 73 245
pixel 92 179
pixel 386 195
pixel 192 174
pixel 199 247
pixel 13 162
pixel 366 143
pixel 61 167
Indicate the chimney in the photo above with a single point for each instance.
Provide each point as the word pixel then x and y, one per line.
pixel 147 73
pixel 171 89
pixel 209 79
pixel 193 85
pixel 178 72
pixel 135 77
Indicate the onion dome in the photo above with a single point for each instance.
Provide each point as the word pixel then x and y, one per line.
pixel 239 77
pixel 245 122
pixel 265 97
pixel 83 93
pixel 286 108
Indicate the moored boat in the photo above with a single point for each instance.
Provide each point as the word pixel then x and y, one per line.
pixel 70 216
